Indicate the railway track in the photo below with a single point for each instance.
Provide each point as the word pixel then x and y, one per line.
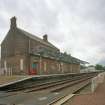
pixel 30 82
pixel 55 87
pixel 64 98
pixel 39 85
pixel 52 86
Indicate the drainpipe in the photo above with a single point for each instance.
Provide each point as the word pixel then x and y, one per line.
pixel 71 67
pixel 40 65
pixel 29 55
pixel 29 46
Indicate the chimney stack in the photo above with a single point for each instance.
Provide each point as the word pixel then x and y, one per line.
pixel 13 23
pixel 45 37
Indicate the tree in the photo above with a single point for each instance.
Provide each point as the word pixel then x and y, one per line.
pixel 99 67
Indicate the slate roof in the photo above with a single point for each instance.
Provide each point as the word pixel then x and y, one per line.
pixel 53 55
pixel 67 58
pixel 37 38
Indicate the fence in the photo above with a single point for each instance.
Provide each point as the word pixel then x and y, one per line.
pixel 97 80
pixel 6 72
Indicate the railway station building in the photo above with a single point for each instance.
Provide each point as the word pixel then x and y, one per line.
pixel 23 53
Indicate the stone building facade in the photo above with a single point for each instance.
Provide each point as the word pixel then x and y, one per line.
pixel 25 53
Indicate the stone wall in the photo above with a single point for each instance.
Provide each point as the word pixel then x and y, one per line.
pixel 15 54
pixel 50 66
pixel 14 63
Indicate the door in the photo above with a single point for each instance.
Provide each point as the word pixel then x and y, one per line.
pixel 34 68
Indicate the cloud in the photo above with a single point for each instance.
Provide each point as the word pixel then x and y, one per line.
pixel 75 26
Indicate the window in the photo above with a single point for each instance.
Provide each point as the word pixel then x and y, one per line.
pixel 45 66
pixel 58 66
pixel 21 64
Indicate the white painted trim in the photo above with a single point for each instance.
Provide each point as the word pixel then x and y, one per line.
pixel 45 66
pixel 21 64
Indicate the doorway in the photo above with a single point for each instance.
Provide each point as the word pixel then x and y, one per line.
pixel 34 68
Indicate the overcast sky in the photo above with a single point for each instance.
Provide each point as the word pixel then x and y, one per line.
pixel 74 26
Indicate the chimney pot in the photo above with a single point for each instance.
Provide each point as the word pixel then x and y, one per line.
pixel 13 22
pixel 45 37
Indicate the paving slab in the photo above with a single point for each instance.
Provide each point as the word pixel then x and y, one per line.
pixel 96 98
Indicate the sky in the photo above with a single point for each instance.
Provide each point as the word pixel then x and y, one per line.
pixel 74 26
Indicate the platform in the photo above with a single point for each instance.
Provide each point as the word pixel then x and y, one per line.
pixel 95 98
pixel 10 79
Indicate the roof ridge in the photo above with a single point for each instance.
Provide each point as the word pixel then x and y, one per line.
pixel 32 36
